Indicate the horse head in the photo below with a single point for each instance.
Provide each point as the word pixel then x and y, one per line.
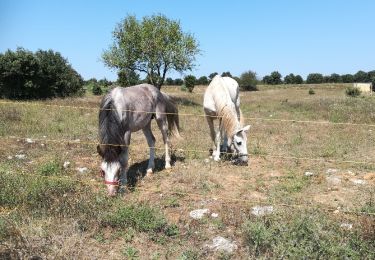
pixel 238 142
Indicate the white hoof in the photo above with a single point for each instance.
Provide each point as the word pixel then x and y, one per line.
pixel 149 172
pixel 217 158
pixel 167 166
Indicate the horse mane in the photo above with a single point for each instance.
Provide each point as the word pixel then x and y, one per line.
pixel 225 108
pixel 110 130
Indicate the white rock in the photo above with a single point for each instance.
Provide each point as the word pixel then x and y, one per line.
pixel 44 136
pixel 222 244
pixel 309 174
pixel 206 160
pixel 198 213
pixel 66 164
pixel 330 171
pixel 347 226
pixel 261 210
pixel 214 215
pixel 334 180
pixel 358 181
pixel 20 156
pixel 30 141
pixel 82 169
pixel 10 157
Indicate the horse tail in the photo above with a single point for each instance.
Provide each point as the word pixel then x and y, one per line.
pixel 172 116
pixel 110 130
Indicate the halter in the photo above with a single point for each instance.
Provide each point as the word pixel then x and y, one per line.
pixel 115 183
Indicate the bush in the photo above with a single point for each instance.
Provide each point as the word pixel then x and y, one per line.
pixel 190 81
pixel 202 80
pixel 352 92
pixel 97 90
pixel 44 74
pixel 311 91
pixel 248 81
pixel 178 82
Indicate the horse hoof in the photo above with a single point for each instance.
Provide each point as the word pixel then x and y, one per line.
pixel 149 173
pixel 167 166
pixel 216 159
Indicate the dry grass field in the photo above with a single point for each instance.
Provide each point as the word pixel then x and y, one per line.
pixel 57 212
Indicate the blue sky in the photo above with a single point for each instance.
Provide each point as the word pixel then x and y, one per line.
pixel 290 36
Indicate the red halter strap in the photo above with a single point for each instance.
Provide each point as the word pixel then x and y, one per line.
pixel 102 174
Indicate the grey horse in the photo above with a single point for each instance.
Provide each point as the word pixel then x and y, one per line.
pixel 127 110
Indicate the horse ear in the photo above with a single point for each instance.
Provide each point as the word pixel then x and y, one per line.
pixel 246 128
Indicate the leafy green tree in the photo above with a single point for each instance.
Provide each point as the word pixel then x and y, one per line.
pixel 178 82
pixel 154 46
pixel 298 79
pixel 190 82
pixel 289 79
pixel 226 74
pixel 43 74
pixel 202 80
pixel 104 82
pixel 314 78
pixel 273 79
pixel 212 75
pixel 334 78
pixel 248 81
pixel 169 81
pixel 361 76
pixel 126 78
pixel 347 78
pixel 96 89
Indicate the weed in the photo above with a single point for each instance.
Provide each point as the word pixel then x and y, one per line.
pixel 131 253
pixel 50 168
pixel 189 255
pixel 352 92
pixel 311 91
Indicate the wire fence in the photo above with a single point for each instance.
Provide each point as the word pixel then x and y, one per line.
pixel 192 195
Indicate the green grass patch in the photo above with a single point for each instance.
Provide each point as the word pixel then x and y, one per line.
pixel 300 234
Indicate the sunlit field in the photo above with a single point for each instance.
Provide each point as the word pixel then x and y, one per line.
pixel 312 159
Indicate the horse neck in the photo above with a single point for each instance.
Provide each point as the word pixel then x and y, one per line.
pixel 229 119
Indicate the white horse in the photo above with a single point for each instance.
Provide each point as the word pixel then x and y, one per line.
pixel 222 101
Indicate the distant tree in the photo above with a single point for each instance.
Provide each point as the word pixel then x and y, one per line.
pixel 126 78
pixel 314 78
pixel 155 46
pixel 92 80
pixel 226 74
pixel 290 79
pixel 334 78
pixel 43 74
pixel 212 75
pixel 96 89
pixel 190 82
pixel 169 81
pixel 202 80
pixel 325 79
pixel 104 82
pixel 347 78
pixel 273 79
pixel 178 82
pixel 298 79
pixel 248 81
pixel 361 76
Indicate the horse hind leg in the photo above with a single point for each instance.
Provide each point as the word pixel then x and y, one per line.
pixel 151 144
pixel 163 126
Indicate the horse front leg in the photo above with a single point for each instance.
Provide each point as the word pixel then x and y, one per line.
pixel 213 134
pixel 151 144
pixel 124 158
pixel 162 124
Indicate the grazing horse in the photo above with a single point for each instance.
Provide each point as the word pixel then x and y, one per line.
pixel 127 110
pixel 222 101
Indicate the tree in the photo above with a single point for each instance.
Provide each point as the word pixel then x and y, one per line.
pixel 248 81
pixel 178 82
pixel 43 74
pixel 298 79
pixel 190 82
pixel 334 78
pixel 202 80
pixel 212 75
pixel 347 78
pixel 126 78
pixel 314 78
pixel 226 74
pixel 154 46
pixel 273 79
pixel 289 79
pixel 96 89
pixel 169 81
pixel 361 76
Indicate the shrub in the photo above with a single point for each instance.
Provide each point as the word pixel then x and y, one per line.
pixel 352 92
pixel 190 81
pixel 248 81
pixel 178 82
pixel 97 90
pixel 311 91
pixel 202 80
pixel 43 74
